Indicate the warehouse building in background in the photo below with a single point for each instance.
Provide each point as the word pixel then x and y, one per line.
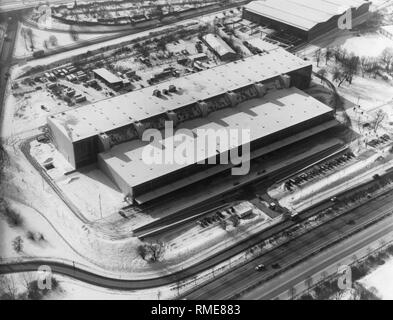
pixel 307 19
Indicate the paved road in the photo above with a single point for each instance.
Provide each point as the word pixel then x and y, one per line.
pixel 322 262
pixel 240 278
pixel 244 277
pixel 99 280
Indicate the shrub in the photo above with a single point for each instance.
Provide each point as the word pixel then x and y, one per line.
pixel 306 296
pixel 151 252
pixel 35 236
pixel 17 244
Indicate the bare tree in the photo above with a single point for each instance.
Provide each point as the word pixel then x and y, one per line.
pixel 151 252
pixel 338 76
pixel 8 290
pixel 328 55
pixel 26 279
pixel 387 58
pixel 379 116
pixel 364 64
pixel 322 72
pixel 317 56
pixel 157 250
pixel 350 66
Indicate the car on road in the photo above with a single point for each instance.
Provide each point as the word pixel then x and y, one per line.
pixel 260 267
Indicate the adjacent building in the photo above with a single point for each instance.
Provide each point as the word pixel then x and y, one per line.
pixel 307 19
pixel 219 47
pixel 108 78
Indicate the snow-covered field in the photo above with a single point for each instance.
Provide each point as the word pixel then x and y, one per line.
pixel 191 242
pixel 40 37
pixel 23 185
pixel 53 244
pixel 368 45
pixel 27 112
pixel 382 280
pixel 359 92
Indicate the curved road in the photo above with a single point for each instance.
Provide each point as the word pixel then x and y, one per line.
pixel 96 279
pixel 229 284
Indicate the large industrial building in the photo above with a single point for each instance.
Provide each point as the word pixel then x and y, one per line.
pixel 260 93
pixel 307 19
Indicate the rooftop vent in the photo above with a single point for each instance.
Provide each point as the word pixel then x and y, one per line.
pixel 157 93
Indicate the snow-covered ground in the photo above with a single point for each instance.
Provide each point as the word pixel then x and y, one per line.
pixel 114 258
pixel 66 55
pixel 382 280
pixel 191 242
pixel 40 37
pixel 366 45
pixel 53 244
pixel 26 113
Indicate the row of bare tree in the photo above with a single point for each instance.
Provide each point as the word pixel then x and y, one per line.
pixel 347 65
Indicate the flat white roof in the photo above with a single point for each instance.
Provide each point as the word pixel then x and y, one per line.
pixel 218 44
pixel 274 112
pixel 107 75
pixel 112 113
pixel 303 14
pixel 186 181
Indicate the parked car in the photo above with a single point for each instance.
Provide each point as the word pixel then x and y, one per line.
pixel 260 267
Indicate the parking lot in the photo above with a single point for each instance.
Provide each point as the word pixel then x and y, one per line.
pixel 380 142
pixel 319 170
